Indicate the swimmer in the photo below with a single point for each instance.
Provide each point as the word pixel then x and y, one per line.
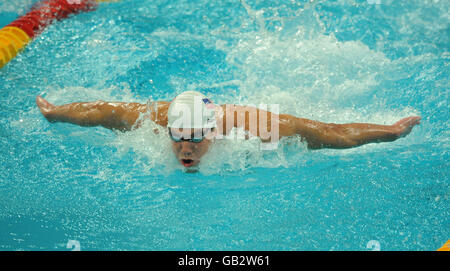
pixel 194 122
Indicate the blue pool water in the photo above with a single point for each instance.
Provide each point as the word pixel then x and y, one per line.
pixel 333 61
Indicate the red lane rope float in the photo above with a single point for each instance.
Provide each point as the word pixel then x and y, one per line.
pixel 15 36
pixel 45 12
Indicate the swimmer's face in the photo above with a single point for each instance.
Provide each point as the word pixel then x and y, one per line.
pixel 189 145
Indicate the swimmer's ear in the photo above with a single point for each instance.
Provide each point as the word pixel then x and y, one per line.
pixel 211 133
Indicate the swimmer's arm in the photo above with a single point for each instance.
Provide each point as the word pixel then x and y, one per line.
pixel 339 136
pixel 115 116
pixel 261 123
pixel 317 134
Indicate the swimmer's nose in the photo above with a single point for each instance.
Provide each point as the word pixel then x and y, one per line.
pixel 186 149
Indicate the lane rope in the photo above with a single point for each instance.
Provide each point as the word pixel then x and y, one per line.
pixel 16 35
pixel 445 247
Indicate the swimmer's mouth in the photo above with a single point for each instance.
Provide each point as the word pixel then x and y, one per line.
pixel 187 162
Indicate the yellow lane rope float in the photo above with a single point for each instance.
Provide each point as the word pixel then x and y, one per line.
pixel 445 247
pixel 15 36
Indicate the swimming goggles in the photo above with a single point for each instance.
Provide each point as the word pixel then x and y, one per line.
pixel 193 137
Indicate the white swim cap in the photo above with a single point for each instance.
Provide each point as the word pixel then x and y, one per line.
pixel 191 109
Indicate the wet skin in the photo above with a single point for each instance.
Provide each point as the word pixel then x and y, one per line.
pixel 189 153
pixel 124 117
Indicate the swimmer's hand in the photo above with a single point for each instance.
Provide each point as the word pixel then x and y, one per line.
pixel 404 126
pixel 45 107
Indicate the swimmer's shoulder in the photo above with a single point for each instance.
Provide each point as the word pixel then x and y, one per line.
pixel 225 109
pixel 162 106
pixel 158 111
